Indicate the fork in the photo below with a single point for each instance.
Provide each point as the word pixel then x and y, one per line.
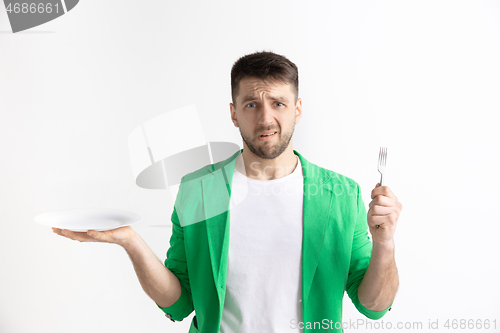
pixel 382 159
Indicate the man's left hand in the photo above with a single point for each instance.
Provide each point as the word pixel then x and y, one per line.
pixel 384 211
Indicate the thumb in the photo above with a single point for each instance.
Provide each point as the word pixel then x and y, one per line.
pixel 95 234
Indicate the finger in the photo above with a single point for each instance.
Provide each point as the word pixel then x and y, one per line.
pixel 378 220
pixel 97 235
pixel 78 236
pixel 389 219
pixel 380 210
pixel 382 200
pixel 58 232
pixel 383 190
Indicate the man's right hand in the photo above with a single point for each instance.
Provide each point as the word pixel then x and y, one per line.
pixel 121 236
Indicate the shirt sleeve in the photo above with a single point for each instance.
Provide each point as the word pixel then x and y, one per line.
pixel 360 259
pixel 176 263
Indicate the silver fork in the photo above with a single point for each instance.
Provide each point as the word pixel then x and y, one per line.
pixel 382 159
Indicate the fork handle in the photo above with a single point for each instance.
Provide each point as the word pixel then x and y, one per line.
pixel 381 176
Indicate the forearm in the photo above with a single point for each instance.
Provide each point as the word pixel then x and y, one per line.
pixel 380 283
pixel 159 283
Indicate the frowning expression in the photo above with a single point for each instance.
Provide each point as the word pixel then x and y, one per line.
pixel 262 108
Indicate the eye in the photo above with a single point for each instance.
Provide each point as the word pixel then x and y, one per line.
pixel 279 103
pixel 251 105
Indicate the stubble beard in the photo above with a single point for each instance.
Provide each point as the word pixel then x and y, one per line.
pixel 266 150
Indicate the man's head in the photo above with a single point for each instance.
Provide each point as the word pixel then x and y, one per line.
pixel 265 88
pixel 264 65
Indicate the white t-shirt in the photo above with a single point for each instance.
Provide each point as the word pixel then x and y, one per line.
pixel 264 274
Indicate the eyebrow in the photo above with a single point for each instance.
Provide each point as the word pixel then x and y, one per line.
pixel 274 98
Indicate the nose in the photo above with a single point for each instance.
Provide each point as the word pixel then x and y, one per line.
pixel 266 117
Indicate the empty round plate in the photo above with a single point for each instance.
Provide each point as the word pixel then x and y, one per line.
pixel 85 219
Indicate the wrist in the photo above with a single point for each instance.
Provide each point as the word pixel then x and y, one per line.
pixel 131 241
pixel 386 246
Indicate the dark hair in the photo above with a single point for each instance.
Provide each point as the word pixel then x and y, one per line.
pixel 264 65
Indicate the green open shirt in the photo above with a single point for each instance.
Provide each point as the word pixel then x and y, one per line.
pixel 336 248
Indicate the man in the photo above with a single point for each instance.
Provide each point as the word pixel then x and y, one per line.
pixel 266 241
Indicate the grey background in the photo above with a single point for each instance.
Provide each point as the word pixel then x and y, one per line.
pixel 420 77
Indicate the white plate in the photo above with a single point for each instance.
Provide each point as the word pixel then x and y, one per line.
pixel 84 219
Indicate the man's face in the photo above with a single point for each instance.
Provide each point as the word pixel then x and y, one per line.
pixel 264 106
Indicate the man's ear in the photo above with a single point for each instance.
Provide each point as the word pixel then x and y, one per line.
pixel 298 110
pixel 233 114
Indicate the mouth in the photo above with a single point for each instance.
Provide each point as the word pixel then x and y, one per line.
pixel 268 136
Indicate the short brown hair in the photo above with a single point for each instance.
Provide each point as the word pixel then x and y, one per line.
pixel 264 65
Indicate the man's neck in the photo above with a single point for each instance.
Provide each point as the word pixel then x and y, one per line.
pixel 258 168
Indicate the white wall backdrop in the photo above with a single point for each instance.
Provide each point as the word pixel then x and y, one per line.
pixel 420 77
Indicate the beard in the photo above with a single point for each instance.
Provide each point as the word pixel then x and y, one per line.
pixel 266 149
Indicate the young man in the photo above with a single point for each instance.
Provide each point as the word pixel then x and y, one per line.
pixel 266 241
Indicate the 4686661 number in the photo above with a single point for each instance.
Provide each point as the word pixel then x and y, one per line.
pixel 32 8
pixel 470 324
